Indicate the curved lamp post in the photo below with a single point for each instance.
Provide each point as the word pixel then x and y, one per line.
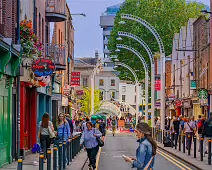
pixel 162 55
pixel 137 87
pixel 146 74
pixel 148 50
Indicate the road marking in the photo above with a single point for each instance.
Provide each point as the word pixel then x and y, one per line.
pixel 159 151
pixel 98 158
pixel 117 156
pixel 182 168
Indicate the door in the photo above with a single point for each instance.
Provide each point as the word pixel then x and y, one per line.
pixel 4 126
pixel 14 127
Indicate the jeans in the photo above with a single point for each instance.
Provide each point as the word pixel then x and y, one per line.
pixel 189 140
pixel 45 144
pixel 92 152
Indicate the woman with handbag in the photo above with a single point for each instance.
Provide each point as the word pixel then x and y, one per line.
pixel 46 131
pixel 146 150
pixel 91 140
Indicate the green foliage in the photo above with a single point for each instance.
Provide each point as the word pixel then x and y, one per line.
pixel 86 101
pixel 166 16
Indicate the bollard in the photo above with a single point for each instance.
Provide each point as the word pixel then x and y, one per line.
pixel 209 151
pixel 175 139
pixel 189 146
pixel 60 156
pixel 172 139
pixel 195 146
pixel 73 147
pixel 41 158
pixel 49 157
pixel 201 149
pixel 180 142
pixel 64 154
pixel 184 143
pixel 55 157
pixel 68 152
pixel 20 164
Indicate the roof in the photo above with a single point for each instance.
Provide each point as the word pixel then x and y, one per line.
pixel 85 62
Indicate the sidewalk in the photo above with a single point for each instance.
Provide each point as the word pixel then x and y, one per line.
pixel 201 165
pixel 30 162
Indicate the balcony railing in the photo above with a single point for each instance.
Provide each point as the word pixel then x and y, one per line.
pixel 55 10
pixel 57 53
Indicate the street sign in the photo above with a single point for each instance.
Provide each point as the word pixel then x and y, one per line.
pixel 203 94
pixel 193 85
pixel 157 85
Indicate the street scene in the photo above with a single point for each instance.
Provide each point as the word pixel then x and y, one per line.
pixel 105 84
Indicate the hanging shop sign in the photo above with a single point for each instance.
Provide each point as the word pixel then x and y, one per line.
pixel 193 85
pixel 203 94
pixel 157 85
pixel 79 92
pixel 187 104
pixel 75 79
pixel 66 89
pixel 43 67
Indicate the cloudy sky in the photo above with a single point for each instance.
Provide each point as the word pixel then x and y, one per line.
pixel 88 34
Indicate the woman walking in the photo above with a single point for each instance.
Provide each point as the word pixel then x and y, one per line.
pixel 89 140
pixel 146 150
pixel 45 126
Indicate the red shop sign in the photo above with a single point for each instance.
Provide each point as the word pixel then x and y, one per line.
pixel 75 79
pixel 157 85
pixel 178 103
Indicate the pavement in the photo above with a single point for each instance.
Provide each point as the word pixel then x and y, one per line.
pixel 31 162
pixel 125 144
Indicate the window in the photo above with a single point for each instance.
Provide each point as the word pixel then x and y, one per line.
pixel 113 82
pixel 85 82
pixel 123 88
pixel 113 95
pixel 101 95
pixel 123 98
pixel 135 99
pixel 101 82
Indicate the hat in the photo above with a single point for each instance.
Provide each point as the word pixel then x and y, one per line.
pixel 144 128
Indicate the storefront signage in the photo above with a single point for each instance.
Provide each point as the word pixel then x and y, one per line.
pixel 193 85
pixel 64 101
pixel 203 94
pixel 43 67
pixel 157 85
pixel 66 89
pixel 75 79
pixel 187 104
pixel 178 103
pixel 79 92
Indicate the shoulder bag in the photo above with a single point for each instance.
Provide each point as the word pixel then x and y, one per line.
pixel 58 139
pixel 51 133
pixel 99 141
pixel 150 161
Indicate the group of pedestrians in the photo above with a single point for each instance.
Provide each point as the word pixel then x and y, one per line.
pixel 201 128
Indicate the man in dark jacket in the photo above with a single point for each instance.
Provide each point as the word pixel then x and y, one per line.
pixel 70 123
pixel 207 132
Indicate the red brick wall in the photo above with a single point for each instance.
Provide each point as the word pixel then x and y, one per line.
pixel 9 18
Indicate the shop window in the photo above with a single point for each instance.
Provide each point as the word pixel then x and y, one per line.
pixel 101 82
pixel 113 95
pixel 123 98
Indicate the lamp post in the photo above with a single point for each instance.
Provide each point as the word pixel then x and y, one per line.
pixel 146 73
pixel 148 50
pixel 162 55
pixel 137 88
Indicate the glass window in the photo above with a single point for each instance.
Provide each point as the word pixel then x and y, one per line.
pixel 123 98
pixel 101 82
pixel 113 95
pixel 123 88
pixel 113 82
pixel 85 82
pixel 101 95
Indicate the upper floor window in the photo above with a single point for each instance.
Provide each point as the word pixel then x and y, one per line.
pixel 123 88
pixel 101 82
pixel 113 83
pixel 85 82
pixel 123 98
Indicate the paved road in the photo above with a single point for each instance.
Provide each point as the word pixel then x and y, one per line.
pixel 125 144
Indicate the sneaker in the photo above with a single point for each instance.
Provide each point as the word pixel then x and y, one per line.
pixel 206 152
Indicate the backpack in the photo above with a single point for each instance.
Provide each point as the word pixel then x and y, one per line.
pixel 113 122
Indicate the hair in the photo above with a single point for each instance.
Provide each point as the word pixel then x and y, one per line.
pixel 58 119
pixel 144 128
pixel 89 123
pixel 45 120
pixel 199 116
pixel 87 119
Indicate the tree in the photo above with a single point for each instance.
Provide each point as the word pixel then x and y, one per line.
pixel 166 16
pixel 86 101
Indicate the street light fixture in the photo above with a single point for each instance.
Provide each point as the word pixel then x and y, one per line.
pixel 82 14
pixel 117 50
pixel 122 22
pixel 119 38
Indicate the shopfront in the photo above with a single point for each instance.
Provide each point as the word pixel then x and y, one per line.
pixel 178 107
pixel 187 107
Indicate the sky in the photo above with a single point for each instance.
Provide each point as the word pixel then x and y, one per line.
pixel 88 33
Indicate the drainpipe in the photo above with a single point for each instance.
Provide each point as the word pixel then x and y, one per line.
pixel 18 82
pixel 34 17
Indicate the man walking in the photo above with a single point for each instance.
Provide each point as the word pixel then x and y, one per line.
pixel 114 125
pixel 189 129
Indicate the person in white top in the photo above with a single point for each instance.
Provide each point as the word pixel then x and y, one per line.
pixel 189 129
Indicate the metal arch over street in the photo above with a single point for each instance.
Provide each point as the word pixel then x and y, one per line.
pixel 146 74
pixel 136 53
pixel 148 50
pixel 148 26
pixel 126 34
pixel 132 71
